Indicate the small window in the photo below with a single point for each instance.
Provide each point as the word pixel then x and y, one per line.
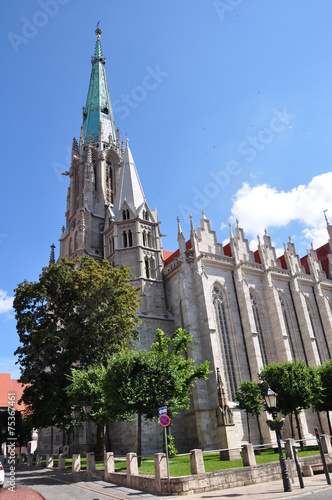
pixel 130 239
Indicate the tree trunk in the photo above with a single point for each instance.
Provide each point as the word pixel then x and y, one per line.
pixel 329 421
pixel 259 430
pixel 99 451
pixel 51 440
pixel 299 429
pixel 139 439
pixel 249 436
pixel 291 424
pixel 108 446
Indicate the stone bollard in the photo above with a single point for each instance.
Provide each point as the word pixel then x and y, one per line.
pixel 109 462
pixel 248 455
pixel 30 459
pixel 49 461
pixel 326 444
pixel 197 462
pixel 289 443
pixel 132 467
pixel 160 469
pixel 90 461
pixel 39 460
pixel 76 464
pixel 61 462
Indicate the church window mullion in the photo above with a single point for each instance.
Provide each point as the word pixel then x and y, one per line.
pixel 224 340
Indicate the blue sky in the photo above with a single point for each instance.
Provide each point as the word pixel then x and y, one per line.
pixel 227 105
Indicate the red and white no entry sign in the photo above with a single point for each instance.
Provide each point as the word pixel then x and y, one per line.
pixel 164 420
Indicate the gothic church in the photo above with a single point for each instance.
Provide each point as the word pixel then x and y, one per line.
pixel 244 308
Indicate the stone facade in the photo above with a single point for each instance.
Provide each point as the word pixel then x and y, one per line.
pixel 244 308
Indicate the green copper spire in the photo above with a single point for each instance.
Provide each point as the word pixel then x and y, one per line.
pixel 98 109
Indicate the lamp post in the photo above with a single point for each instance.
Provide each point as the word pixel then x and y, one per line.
pixel 271 406
pixel 87 410
pixel 76 415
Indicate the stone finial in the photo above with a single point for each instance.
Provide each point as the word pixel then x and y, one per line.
pixel 75 144
pixel 90 138
pixel 82 136
pixel 89 156
pixel 52 256
pixel 63 229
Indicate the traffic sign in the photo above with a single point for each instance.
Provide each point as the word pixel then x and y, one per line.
pixel 162 411
pixel 164 420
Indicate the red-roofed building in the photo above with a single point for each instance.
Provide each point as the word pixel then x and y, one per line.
pixel 12 387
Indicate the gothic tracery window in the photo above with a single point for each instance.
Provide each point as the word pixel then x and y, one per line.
pixel 320 340
pixel 288 326
pixel 224 339
pixel 259 328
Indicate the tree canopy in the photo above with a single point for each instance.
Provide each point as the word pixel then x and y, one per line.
pixel 141 382
pixel 78 313
pixel 249 397
pixel 298 386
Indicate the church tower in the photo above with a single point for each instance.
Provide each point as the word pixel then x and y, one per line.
pixel 107 214
pixel 95 168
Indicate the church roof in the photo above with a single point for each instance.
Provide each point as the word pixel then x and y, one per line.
pixel 129 187
pixel 98 109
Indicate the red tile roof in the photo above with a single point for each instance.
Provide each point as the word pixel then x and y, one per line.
pixel 10 386
pixel 322 254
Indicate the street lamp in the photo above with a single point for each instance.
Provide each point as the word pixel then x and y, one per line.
pixel 76 415
pixel 87 407
pixel 271 405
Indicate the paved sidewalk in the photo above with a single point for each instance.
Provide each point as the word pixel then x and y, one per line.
pixel 268 491
pixel 40 478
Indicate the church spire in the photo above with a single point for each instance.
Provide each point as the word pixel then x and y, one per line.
pixel 98 109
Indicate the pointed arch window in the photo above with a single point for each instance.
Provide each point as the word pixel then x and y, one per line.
pixel 144 238
pixel 258 323
pixel 147 268
pixel 125 240
pixel 288 326
pixel 224 339
pixel 320 341
pixel 130 238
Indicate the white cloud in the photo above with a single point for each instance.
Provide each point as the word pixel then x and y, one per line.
pixel 6 302
pixel 262 207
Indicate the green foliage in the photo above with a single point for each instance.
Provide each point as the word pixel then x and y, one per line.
pixel 324 398
pixel 141 382
pixel 297 385
pixel 172 451
pixel 249 397
pixel 78 313
pixel 22 425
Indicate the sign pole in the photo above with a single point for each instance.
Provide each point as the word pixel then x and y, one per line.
pixel 166 446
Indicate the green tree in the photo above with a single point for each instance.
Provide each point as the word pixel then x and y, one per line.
pixel 249 397
pixel 297 386
pixel 78 313
pixel 141 382
pixel 324 398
